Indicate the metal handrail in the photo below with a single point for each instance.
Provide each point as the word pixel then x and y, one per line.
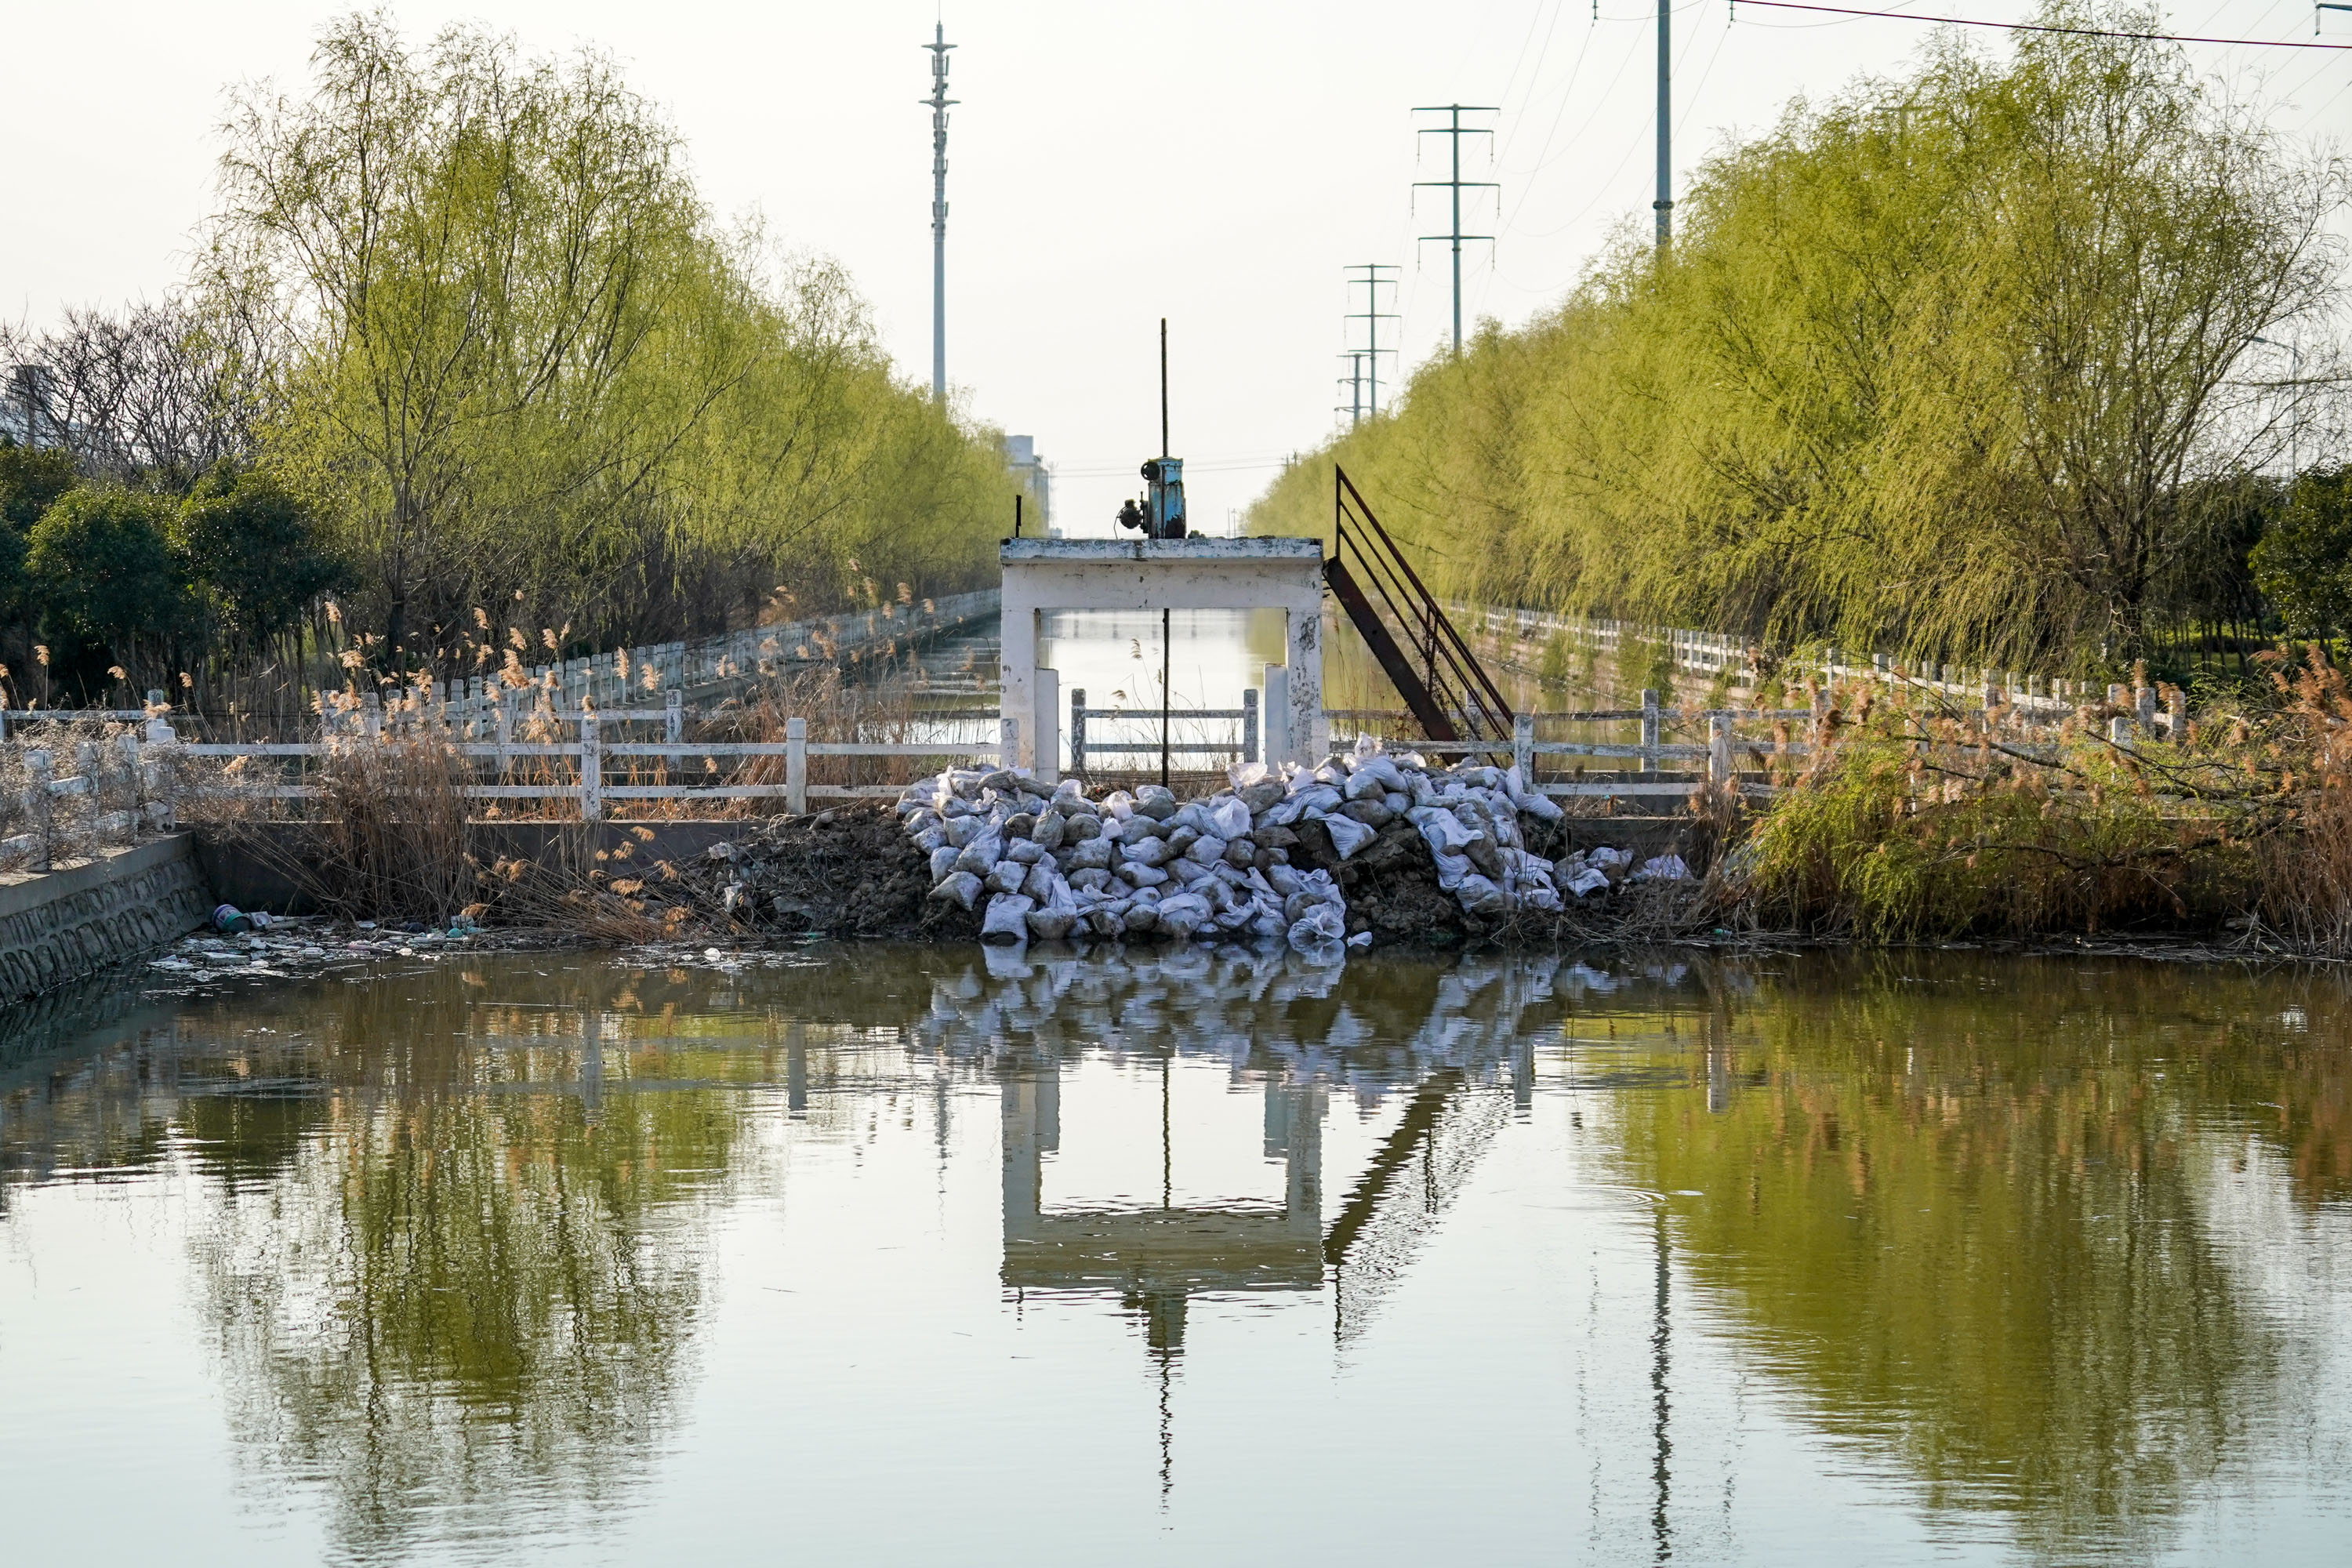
pixel 1466 688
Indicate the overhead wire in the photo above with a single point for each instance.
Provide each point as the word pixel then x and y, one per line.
pixel 2045 26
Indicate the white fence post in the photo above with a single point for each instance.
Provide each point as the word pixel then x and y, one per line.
pixel 1250 752
pixel 1718 748
pixel 591 769
pixel 1078 731
pixel 796 766
pixel 1523 748
pixel 39 772
pixel 1649 730
pixel 674 717
pixel 1008 742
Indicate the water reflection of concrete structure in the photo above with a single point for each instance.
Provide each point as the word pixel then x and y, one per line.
pixel 1156 1258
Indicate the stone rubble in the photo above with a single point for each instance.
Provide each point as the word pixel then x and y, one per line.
pixel 1042 860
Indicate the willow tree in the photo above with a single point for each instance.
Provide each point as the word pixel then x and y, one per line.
pixel 1958 363
pixel 525 374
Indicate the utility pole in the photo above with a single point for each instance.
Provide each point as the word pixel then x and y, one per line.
pixel 1664 205
pixel 1373 316
pixel 939 102
pixel 1455 130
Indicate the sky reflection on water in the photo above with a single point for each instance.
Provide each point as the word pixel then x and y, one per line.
pixel 896 1253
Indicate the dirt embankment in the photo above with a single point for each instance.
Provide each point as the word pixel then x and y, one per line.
pixel 852 871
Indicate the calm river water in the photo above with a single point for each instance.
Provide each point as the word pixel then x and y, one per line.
pixel 893 1256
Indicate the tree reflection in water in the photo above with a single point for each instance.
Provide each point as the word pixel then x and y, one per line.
pixel 454 1231
pixel 465 1292
pixel 1971 1219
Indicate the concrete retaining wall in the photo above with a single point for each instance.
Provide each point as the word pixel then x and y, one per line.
pixel 57 927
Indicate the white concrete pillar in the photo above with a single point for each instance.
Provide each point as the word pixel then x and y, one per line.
pixel 1018 675
pixel 1048 731
pixel 1274 715
pixel 1304 633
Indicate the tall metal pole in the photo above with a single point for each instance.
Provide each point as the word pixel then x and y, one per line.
pixel 1664 205
pixel 1372 315
pixel 1455 130
pixel 1166 620
pixel 939 102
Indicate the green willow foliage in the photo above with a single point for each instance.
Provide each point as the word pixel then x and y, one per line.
pixel 1957 364
pixel 513 362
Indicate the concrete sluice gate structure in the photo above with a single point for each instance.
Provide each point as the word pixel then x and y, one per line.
pixel 1043 575
pixel 1456 1039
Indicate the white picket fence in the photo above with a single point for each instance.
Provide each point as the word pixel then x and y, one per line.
pixel 1712 653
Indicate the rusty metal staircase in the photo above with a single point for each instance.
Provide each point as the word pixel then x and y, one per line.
pixel 1424 656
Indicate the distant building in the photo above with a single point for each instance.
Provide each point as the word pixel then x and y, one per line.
pixel 25 397
pixel 1021 456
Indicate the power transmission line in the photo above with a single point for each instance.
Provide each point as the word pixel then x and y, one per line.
pixel 1373 316
pixel 2031 27
pixel 1354 382
pixel 1454 131
pixel 939 102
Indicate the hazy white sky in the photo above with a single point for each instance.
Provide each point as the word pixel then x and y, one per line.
pixel 1212 162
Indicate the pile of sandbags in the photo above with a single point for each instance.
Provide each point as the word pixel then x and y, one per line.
pixel 1052 863
pixel 1043 861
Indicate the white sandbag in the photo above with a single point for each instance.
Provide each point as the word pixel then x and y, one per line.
pixel 1093 854
pixel 1663 868
pixel 1137 874
pixel 1183 914
pixel 1040 882
pixel 1451 868
pixel 943 861
pixel 1119 805
pixel 1156 802
pixel 1481 897
pixel 1109 923
pixel 929 838
pixel 1372 777
pixel 1348 834
pixel 1283 880
pixel 1240 852
pixel 1591 879
pixel 1006 877
pixel 1361 939
pixel 1027 851
pixel 1142 917
pixel 1007 919
pixel 1050 829
pixel 1147 851
pixel 1229 818
pixel 1095 878
pixel 1053 920
pixel 962 830
pixel 1324 922
pixel 1081 827
pixel 1607 858
pixel 1207 849
pixel 1441 830
pixel 959 888
pixel 980 857
pixel 1268 925
pixel 1530 799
